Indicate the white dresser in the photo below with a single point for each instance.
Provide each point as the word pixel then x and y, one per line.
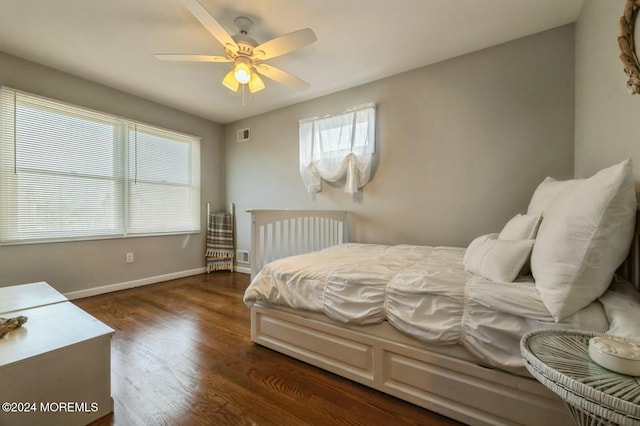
pixel 56 368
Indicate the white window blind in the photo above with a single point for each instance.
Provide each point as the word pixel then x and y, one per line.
pixel 71 173
pixel 338 146
pixel 164 181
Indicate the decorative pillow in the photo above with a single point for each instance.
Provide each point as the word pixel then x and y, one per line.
pixel 521 227
pixel 546 192
pixel 585 235
pixel 475 243
pixel 499 260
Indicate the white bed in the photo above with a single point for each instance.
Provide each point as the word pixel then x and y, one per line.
pixel 415 324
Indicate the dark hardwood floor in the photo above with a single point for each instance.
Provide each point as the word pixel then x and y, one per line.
pixel 182 355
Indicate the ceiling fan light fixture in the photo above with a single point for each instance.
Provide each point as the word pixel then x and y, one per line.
pixel 255 83
pixel 245 52
pixel 230 81
pixel 242 71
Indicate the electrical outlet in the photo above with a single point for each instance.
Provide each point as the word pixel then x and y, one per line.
pixel 129 258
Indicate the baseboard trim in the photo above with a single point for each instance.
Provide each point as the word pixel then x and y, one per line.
pixel 132 284
pixel 242 269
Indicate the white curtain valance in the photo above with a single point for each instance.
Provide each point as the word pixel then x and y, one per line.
pixel 338 146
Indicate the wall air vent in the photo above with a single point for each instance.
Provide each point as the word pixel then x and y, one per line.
pixel 243 135
pixel 242 256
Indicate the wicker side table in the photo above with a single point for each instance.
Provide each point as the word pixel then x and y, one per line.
pixel 559 359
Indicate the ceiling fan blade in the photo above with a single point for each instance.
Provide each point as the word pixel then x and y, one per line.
pixel 192 58
pixel 284 44
pixel 280 76
pixel 211 24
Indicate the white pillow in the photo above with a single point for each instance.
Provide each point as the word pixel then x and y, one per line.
pixel 499 260
pixel 622 305
pixel 584 237
pixel 546 192
pixel 521 227
pixel 475 243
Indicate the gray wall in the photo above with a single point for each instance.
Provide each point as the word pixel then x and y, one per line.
pixel 75 266
pixel 607 117
pixel 462 144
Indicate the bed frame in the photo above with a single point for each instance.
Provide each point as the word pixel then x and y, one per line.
pixel 402 367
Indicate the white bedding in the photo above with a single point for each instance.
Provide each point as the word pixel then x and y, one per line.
pixel 422 291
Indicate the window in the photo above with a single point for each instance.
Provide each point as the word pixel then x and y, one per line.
pixel 338 146
pixel 340 133
pixel 71 173
pixel 164 181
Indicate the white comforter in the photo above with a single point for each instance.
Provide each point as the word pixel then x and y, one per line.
pixel 422 291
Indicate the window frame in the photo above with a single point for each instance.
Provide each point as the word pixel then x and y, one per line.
pixel 119 157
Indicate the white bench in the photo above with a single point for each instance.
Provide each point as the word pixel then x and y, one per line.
pixel 56 368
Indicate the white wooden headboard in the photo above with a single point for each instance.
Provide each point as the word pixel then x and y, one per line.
pixel 281 233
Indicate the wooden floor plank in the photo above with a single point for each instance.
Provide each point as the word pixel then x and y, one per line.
pixel 182 355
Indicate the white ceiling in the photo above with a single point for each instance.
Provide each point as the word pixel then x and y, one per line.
pixel 113 41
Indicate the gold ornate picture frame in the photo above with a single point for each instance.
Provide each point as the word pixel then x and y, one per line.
pixel 629 54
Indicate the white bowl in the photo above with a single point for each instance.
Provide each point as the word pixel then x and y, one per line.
pixel 615 354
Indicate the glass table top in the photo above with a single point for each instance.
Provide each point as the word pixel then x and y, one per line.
pixel 567 353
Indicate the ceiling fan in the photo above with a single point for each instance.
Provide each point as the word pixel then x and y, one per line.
pixel 245 52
